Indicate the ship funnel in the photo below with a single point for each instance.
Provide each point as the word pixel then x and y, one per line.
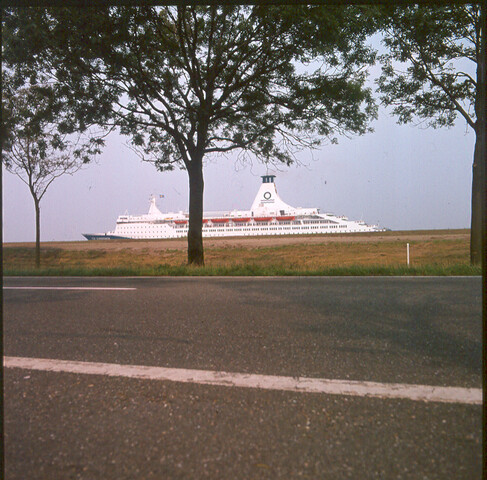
pixel 267 201
pixel 153 210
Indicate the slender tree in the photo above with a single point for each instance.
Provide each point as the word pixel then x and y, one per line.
pixel 190 81
pixel 431 74
pixel 33 148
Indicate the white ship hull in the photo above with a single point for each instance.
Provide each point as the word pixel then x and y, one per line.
pixel 269 215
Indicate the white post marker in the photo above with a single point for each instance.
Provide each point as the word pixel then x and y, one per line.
pixel 407 252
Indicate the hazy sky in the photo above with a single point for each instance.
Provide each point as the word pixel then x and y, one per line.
pixel 400 176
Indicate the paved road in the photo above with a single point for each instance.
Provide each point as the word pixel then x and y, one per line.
pixel 423 331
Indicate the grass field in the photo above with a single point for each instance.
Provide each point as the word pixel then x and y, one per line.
pixel 444 252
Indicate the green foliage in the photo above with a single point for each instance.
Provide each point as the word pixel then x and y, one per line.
pixel 41 138
pixel 429 70
pixel 33 145
pixel 184 82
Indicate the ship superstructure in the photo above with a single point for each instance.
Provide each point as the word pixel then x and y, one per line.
pixel 268 215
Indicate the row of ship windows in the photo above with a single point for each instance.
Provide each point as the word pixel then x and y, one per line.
pixel 307 222
pixel 260 229
pixel 183 229
pixel 140 229
pixel 238 224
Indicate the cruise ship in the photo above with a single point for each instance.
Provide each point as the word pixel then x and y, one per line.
pixel 268 215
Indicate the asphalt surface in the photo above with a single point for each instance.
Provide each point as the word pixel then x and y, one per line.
pixel 402 330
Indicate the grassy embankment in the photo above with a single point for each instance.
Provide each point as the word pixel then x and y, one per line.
pixel 432 253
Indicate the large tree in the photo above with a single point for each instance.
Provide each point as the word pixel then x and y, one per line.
pixel 35 146
pixel 431 74
pixel 190 81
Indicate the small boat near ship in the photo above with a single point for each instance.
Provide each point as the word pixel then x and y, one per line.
pixel 268 215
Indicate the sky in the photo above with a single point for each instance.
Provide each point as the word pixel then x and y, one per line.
pixel 401 177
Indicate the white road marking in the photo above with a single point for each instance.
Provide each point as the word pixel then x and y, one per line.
pixel 425 393
pixel 68 288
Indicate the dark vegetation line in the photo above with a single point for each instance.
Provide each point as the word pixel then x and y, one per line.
pixel 250 270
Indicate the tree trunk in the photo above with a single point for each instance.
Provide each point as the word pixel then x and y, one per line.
pixel 477 208
pixel 195 234
pixel 38 233
pixel 479 193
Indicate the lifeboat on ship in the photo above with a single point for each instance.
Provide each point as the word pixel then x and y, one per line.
pixel 285 219
pixel 220 220
pixel 262 219
pixel 180 222
pixel 247 219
